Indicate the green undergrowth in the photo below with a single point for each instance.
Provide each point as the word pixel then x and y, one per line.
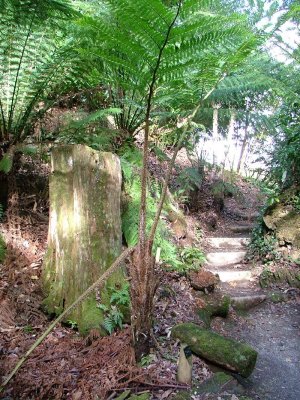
pixel 173 257
pixel 2 249
pixel 118 310
pixel 223 188
pixel 263 245
pixel 192 258
pixel 131 161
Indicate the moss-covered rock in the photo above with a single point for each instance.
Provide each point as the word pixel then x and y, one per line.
pixel 219 383
pixel 215 384
pixel 290 276
pixel 228 353
pixel 284 218
pixel 203 280
pixel 216 306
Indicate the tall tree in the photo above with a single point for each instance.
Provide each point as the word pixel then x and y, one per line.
pixel 147 49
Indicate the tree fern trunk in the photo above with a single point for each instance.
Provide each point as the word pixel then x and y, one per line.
pixel 244 145
pixel 215 130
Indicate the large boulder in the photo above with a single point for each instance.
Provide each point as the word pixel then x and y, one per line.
pixel 203 280
pixel 284 218
pixel 227 353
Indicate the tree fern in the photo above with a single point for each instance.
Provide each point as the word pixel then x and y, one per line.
pixel 126 37
pixel 34 58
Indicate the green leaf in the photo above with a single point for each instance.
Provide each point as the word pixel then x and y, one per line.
pixel 6 164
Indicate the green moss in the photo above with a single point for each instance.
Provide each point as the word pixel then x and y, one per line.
pixel 91 317
pixel 143 396
pixel 222 351
pixel 276 297
pixel 217 307
pixel 183 395
pixel 215 384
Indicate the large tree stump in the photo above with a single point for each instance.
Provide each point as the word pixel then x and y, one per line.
pixel 84 231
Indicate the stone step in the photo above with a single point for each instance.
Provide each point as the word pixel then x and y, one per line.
pixel 245 216
pixel 228 242
pixel 233 275
pixel 223 259
pixel 243 229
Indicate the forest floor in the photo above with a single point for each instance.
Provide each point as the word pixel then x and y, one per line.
pixel 66 366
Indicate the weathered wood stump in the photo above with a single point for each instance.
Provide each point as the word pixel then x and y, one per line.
pixel 84 231
pixel 227 353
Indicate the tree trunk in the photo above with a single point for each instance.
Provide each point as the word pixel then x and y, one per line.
pixel 231 127
pixel 84 231
pixel 244 145
pixel 215 132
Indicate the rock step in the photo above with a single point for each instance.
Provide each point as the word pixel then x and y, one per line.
pixel 245 216
pixel 240 288
pixel 228 242
pixel 241 228
pixel 222 259
pixel 233 275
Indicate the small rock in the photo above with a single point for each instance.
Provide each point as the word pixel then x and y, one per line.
pixel 77 395
pixel 203 280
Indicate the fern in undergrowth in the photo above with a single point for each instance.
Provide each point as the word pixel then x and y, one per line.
pixel 6 164
pixel 114 313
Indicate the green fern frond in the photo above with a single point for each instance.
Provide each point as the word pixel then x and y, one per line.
pixel 204 43
pixel 130 215
pixel 2 249
pixel 108 325
pixel 121 296
pixel 35 57
pixel 6 164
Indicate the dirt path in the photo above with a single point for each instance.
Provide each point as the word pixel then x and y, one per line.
pixel 272 329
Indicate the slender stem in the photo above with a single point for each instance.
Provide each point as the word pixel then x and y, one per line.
pixel 142 224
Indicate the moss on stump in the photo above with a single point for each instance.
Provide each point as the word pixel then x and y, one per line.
pixel 84 231
pixel 228 353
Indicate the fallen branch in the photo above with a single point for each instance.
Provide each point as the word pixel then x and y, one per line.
pixel 83 296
